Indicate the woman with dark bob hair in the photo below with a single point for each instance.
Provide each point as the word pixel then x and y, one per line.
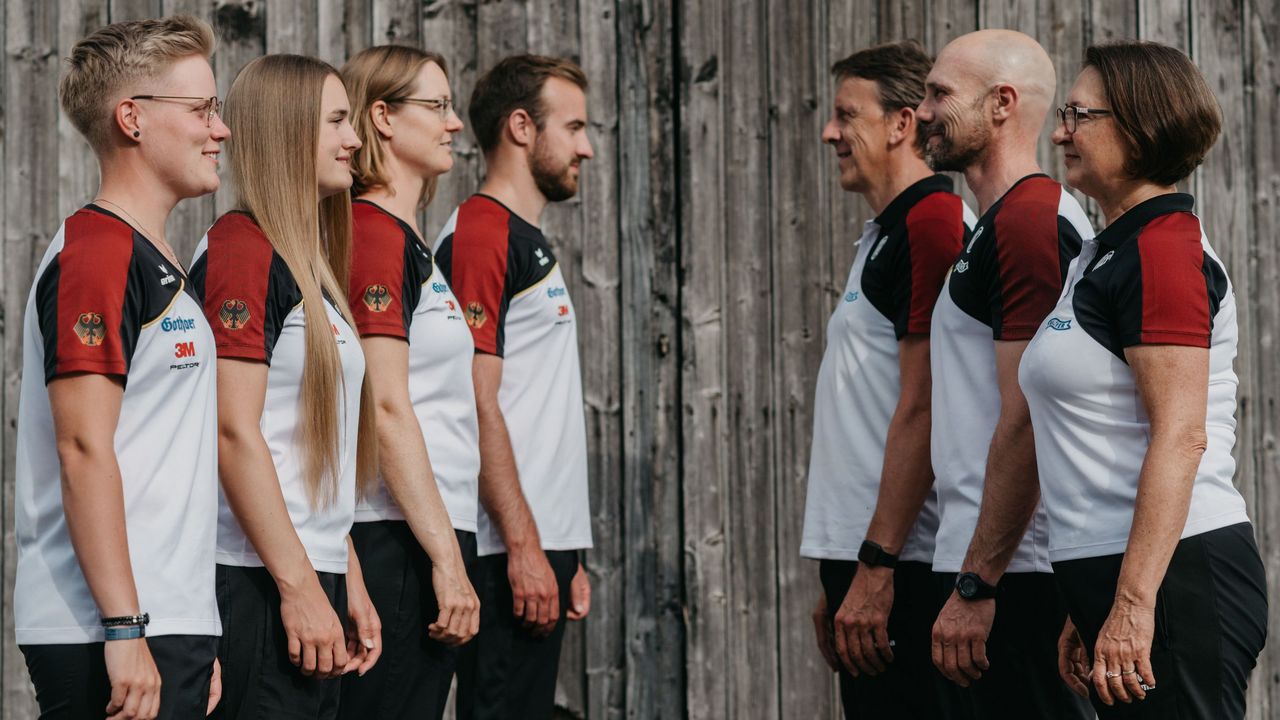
pixel 1133 396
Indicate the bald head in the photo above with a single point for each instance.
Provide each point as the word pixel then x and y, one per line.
pixel 1005 57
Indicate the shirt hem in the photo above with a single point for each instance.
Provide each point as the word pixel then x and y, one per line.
pixel 94 634
pixel 1118 547
pixel 566 544
pixel 816 553
pixel 330 566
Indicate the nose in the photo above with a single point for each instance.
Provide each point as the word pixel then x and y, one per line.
pixel 218 130
pixel 1060 136
pixel 350 140
pixel 924 113
pixel 454 123
pixel 584 148
pixel 830 133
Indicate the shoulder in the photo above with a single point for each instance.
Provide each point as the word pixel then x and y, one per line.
pixel 937 211
pixel 374 227
pixel 482 221
pixel 237 232
pixel 96 240
pixel 1176 232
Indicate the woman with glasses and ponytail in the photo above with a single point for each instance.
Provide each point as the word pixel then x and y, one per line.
pixel 295 430
pixel 415 533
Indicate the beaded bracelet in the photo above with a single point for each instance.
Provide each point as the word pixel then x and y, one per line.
pixel 143 619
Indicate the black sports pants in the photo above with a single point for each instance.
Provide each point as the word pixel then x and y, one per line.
pixel 1211 624
pixel 506 672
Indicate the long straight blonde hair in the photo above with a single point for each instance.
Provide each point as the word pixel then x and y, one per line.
pixel 273 110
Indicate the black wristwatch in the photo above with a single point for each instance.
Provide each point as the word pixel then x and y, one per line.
pixel 872 555
pixel 971 586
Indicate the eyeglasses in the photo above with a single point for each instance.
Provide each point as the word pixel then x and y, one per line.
pixel 211 105
pixel 442 105
pixel 1069 116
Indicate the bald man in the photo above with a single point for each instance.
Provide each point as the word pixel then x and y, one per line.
pixel 985 103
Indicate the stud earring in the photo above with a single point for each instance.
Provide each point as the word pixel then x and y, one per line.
pixel 137 133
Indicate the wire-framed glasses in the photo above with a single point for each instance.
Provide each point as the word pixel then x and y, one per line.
pixel 1069 115
pixel 210 106
pixel 442 105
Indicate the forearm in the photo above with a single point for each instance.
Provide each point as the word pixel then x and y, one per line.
pixel 1010 494
pixel 252 489
pixel 93 501
pixel 405 467
pixel 500 491
pixel 1160 513
pixel 906 478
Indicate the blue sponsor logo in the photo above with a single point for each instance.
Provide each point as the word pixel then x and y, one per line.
pixel 555 292
pixel 439 287
pixel 1059 324
pixel 851 296
pixel 177 324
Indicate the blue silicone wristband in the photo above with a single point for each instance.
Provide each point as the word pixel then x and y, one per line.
pixel 125 632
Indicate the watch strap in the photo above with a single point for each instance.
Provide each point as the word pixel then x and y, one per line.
pixel 872 554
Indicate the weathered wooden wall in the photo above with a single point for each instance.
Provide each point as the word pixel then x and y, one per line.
pixel 705 251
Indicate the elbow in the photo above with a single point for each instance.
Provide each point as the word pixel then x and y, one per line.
pixel 1192 442
pixel 77 451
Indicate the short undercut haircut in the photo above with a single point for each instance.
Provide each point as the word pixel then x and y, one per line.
pixel 1161 105
pixel 898 70
pixel 117 59
pixel 513 84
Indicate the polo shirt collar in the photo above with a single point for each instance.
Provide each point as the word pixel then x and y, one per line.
pixel 1128 224
pixel 896 211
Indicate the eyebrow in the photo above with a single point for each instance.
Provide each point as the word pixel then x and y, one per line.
pixel 339 113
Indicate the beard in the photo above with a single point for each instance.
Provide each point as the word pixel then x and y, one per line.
pixel 553 177
pixel 959 146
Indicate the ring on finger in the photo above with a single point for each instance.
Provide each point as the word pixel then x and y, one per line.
pixel 1112 675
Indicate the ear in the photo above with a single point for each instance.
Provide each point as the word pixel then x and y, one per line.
pixel 902 126
pixel 521 128
pixel 128 118
pixel 380 116
pixel 1006 101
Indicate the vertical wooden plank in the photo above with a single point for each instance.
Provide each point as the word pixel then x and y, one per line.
pixel 1105 21
pixel 339 29
pixel 193 216
pixel 242 36
pixel 797 78
pixel 77 165
pixel 397 22
pixel 650 352
pixel 948 20
pixel 1060 29
pixel 902 20
pixel 133 10
pixel 1262 169
pixel 1169 22
pixel 703 88
pixel 449 28
pixel 291 27
pixel 31 188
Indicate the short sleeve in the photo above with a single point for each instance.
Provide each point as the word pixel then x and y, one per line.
pixel 382 291
pixel 88 320
pixel 1173 297
pixel 478 269
pixel 935 236
pixel 1029 267
pixel 242 291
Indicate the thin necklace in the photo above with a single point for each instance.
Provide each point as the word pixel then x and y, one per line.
pixel 160 245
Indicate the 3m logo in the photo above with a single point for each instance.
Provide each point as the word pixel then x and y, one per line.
pixel 562 310
pixel 184 349
pixel 90 329
pixel 234 314
pixel 450 305
pixel 377 298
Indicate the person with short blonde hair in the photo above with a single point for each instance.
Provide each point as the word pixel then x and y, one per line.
pixel 116 492
pixel 416 532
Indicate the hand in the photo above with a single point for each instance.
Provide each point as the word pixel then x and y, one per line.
pixel 1073 662
pixel 317 644
pixel 364 632
pixel 535 595
pixel 822 627
pixel 135 681
pixel 1124 651
pixel 215 687
pixel 862 622
pixel 459 618
pixel 579 595
pixel 960 638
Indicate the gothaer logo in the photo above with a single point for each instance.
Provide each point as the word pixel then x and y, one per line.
pixel 233 314
pixel 90 329
pixel 1060 323
pixel 377 298
pixel 475 315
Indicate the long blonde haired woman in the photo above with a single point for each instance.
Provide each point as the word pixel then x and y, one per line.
pixel 419 347
pixel 294 437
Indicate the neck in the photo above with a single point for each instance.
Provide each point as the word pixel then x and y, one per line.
pixel 903 170
pixel 1117 201
pixel 509 181
pixel 400 197
pixel 999 168
pixel 145 200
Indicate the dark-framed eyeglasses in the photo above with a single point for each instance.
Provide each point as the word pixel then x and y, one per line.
pixel 210 106
pixel 442 105
pixel 1069 115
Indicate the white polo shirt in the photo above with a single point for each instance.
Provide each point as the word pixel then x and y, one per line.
pixel 255 308
pixel 902 258
pixel 1150 278
pixel 1003 284
pixel 106 301
pixel 397 290
pixel 514 298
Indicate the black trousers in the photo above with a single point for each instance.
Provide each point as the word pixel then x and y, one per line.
pixel 258 680
pixel 1211 624
pixel 412 678
pixel 71 680
pixel 911 688
pixel 1023 680
pixel 506 672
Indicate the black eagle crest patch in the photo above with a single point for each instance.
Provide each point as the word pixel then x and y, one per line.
pixel 90 329
pixel 377 298
pixel 233 314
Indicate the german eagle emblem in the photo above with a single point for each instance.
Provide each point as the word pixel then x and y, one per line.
pixel 377 298
pixel 233 314
pixel 90 329
pixel 475 315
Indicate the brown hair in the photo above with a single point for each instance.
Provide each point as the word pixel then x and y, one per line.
pixel 898 70
pixel 273 110
pixel 515 83
pixel 118 57
pixel 385 73
pixel 1161 104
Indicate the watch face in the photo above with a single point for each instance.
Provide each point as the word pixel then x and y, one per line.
pixel 967 587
